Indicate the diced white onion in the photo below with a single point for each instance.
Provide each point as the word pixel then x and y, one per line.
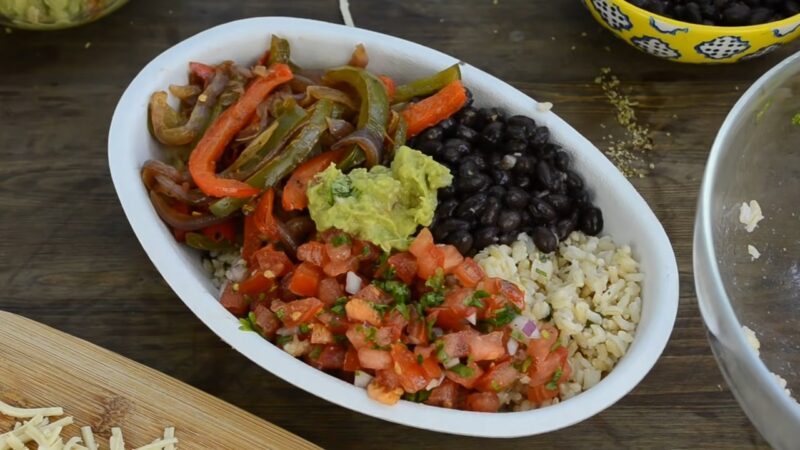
pixel 451 363
pixel 525 326
pixel 472 318
pixel 362 379
pixel 434 383
pixel 283 331
pixel 438 332
pixel 512 346
pixel 352 283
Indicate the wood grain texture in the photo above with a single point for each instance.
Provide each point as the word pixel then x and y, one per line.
pixel 40 367
pixel 68 257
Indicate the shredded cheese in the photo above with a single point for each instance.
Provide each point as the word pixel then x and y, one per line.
pixel 116 442
pixel 88 438
pixel 27 413
pixel 344 8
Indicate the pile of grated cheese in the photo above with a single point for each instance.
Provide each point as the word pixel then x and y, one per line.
pixel 47 435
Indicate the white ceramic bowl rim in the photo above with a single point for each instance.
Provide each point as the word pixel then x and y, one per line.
pixel 627 215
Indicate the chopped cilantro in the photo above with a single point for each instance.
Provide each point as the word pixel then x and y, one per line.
pixel 420 359
pixel 436 282
pixel 541 272
pixel 475 299
pixel 389 273
pixel 552 385
pixel 431 299
pixel 381 308
pixel 495 386
pixel 397 289
pixel 417 397
pixel 502 317
pixel 369 332
pixel 248 323
pixel 304 328
pixel 283 340
pixel 462 370
pixel 365 251
pixel 315 352
pixel 281 313
pixel 441 355
pixel 555 345
pixel 796 119
pixel 402 308
pixel 429 323
pixel 519 336
pixel 340 239
pixel 525 365
pixel 342 187
pixel 383 258
pixel 338 306
pixel 339 338
pixel 545 334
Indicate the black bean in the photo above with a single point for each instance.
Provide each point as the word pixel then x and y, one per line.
pixel 469 117
pixel 509 220
pixel 566 226
pixel 574 182
pixel 501 177
pixel 463 146
pixel 508 238
pixel 527 219
pixel 438 233
pixel 492 135
pixel 485 237
pixel 791 7
pixel 560 202
pixel 447 125
pixel 490 115
pixel 466 133
pixel 562 160
pixel 447 207
pixel 544 175
pixel 466 185
pixel 497 191
pixel 431 134
pixel 515 147
pixel 491 212
pixel 523 182
pixel 522 121
pixel 591 221
pixel 472 206
pixel 450 225
pixel 447 192
pixel 450 155
pixel 548 152
pixel 540 136
pixel 518 132
pixel 541 211
pixel 525 165
pixel 430 147
pixel 461 239
pixel 468 168
pixel 478 160
pixel 693 13
pixel 736 14
pixel 517 198
pixel 581 198
pixel 559 182
pixel 545 240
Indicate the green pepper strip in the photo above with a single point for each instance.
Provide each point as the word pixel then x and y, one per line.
pixel 374 112
pixel 282 165
pixel 202 242
pixel 426 86
pixel 289 121
pixel 399 137
pixel 279 51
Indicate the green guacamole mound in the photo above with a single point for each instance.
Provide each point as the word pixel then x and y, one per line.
pixel 384 205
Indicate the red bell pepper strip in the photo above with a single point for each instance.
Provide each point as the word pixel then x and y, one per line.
pixel 263 218
pixel 294 193
pixel 432 110
pixel 221 232
pixel 252 240
pixel 202 71
pixel 391 87
pixel 202 162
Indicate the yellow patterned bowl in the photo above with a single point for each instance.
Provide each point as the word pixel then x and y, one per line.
pixel 688 42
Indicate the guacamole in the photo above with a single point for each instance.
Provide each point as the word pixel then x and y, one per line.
pixel 53 12
pixel 384 205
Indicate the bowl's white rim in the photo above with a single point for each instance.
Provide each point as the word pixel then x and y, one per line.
pixel 613 387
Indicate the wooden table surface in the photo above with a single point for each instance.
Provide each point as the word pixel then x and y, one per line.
pixel 69 259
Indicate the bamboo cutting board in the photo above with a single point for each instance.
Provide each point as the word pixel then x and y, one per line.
pixel 40 366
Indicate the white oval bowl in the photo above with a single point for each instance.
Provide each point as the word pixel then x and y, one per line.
pixel 628 219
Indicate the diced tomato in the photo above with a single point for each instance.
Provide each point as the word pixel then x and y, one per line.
pixel 335 323
pixel 331 358
pixel 365 251
pixel 452 257
pixel 446 395
pixel 221 232
pixel 351 363
pixel 483 402
pixel 412 377
pixel 430 365
pixel 456 300
pixel 395 322
pixel 252 239
pixel 490 306
pixel 539 348
pixel 505 288
pixel 378 392
pixel 299 311
pixel 336 268
pixel 359 310
pixel 320 334
pixel 233 301
pixel 420 245
pixel 257 283
pixel 448 320
pixel 294 192
pixel 387 378
pixel 498 377
pixel 469 273
pixel 266 320
pixel 329 290
pixel 405 266
pixel 273 260
pixel 370 358
pixel 305 280
pixel 417 330
pixel 456 345
pixel 543 371
pixel 357 336
pixel 475 372
pixel 429 262
pixel 373 294
pixel 486 347
pixel 340 252
pixel 540 393
pixel 283 292
pixel 313 252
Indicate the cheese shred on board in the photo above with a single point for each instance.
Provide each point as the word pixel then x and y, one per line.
pixel 48 435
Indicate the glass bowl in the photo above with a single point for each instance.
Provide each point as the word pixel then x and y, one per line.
pixel 756 156
pixel 54 14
